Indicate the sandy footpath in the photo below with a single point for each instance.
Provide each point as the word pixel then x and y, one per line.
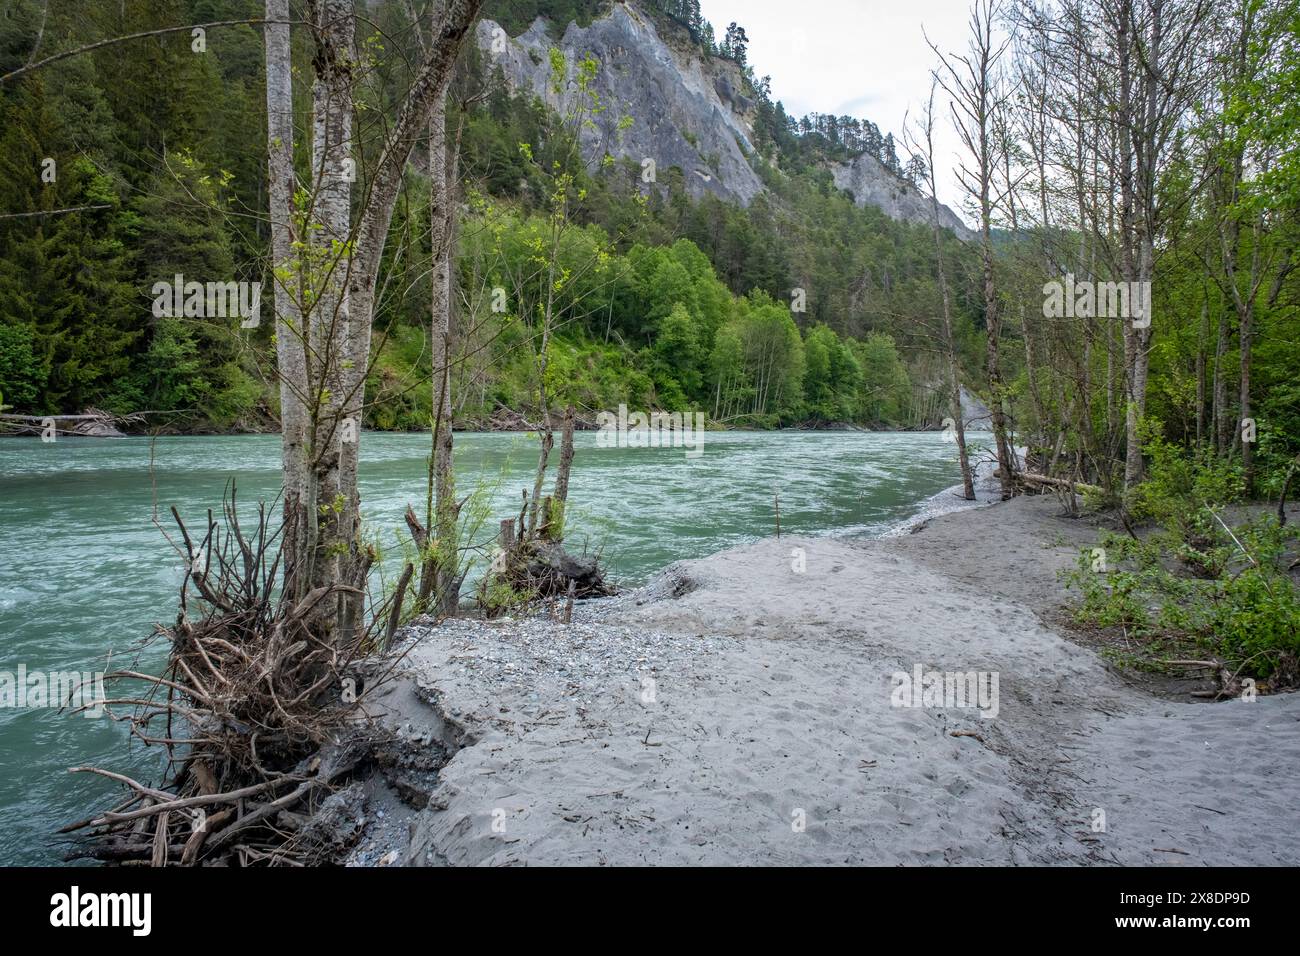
pixel 743 710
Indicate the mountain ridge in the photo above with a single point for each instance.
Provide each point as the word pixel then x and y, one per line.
pixel 688 107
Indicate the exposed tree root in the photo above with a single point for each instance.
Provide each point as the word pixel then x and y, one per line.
pixel 258 708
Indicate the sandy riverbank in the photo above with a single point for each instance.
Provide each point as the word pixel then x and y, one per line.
pixel 742 711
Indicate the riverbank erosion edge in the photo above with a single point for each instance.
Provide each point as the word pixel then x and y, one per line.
pixel 776 704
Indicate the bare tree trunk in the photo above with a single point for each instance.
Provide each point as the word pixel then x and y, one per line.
pixel 973 81
pixel 993 365
pixel 445 519
pixel 412 120
pixel 1128 265
pixel 1222 433
pixel 555 515
pixel 291 362
pixel 1031 371
pixel 1243 301
pixel 1163 53
pixel 543 361
pixel 1244 306
pixel 1201 335
pixel 543 456
pixel 566 458
pixel 440 573
pixel 336 422
pixel 1247 447
pixel 949 340
pixel 1134 465
pixel 325 361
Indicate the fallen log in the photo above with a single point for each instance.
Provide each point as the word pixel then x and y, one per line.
pixel 92 423
pixel 1046 481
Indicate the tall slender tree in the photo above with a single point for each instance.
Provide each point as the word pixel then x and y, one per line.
pixel 332 267
pixel 974 83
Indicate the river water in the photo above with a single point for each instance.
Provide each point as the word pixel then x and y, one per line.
pixel 85 571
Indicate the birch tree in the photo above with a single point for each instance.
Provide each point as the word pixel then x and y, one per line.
pixel 948 340
pixel 974 84
pixel 327 250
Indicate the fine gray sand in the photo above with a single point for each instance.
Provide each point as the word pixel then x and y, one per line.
pixel 742 711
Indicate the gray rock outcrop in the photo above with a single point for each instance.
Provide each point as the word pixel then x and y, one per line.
pixel 975 414
pixel 687 111
pixel 869 182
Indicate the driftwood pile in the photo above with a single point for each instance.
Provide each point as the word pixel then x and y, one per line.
pixel 508 420
pixel 258 715
pixel 92 423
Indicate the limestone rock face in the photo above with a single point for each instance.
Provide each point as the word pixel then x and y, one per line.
pixel 975 414
pixel 869 182
pixel 686 112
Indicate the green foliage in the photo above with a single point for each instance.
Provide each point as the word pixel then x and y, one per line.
pixel 20 374
pixel 1264 105
pixel 121 133
pixel 675 358
pixel 832 377
pixel 1181 480
pixel 886 386
pixel 65 281
pixel 170 143
pixel 497 596
pixel 1195 578
pixel 653 327
pixel 1112 599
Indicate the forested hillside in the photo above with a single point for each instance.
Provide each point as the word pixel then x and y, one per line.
pixel 159 155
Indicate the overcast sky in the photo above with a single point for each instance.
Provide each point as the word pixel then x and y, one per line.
pixel 864 58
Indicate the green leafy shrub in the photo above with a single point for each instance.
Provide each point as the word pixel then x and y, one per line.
pixel 1179 477
pixel 1195 578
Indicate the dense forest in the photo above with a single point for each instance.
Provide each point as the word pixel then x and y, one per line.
pixel 123 171
pixel 159 158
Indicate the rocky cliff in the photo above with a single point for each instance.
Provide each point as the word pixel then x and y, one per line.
pixel 688 110
pixel 869 182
